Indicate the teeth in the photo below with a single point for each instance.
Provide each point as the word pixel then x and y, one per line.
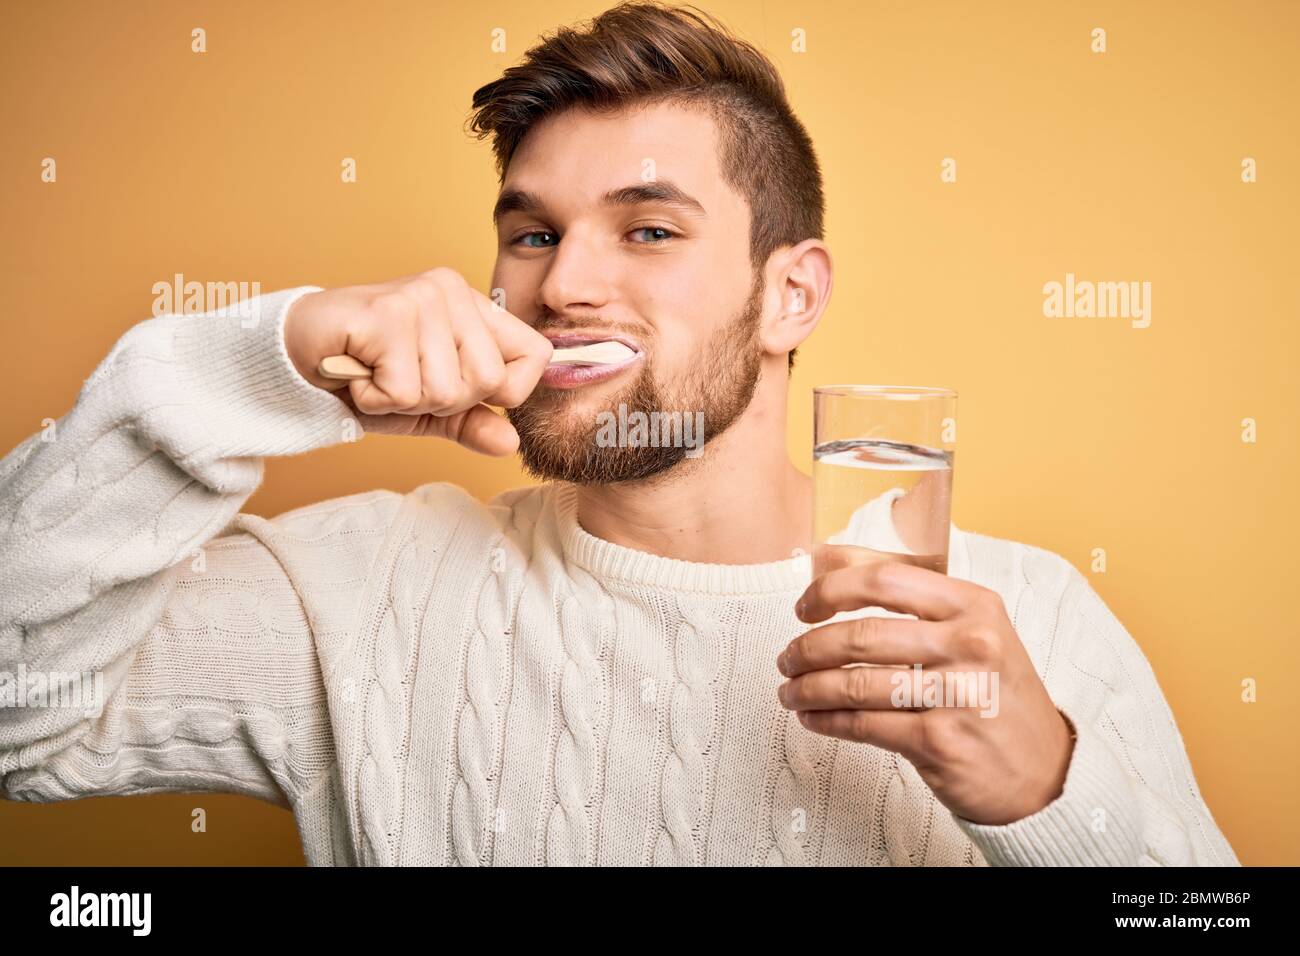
pixel 593 353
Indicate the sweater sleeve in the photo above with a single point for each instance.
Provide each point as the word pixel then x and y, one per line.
pixel 1130 797
pixel 150 638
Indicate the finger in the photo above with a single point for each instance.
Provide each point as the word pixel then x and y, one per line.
pixel 892 585
pixel 526 352
pixel 481 365
pixel 445 392
pixel 394 384
pixel 394 423
pixel 868 640
pixel 899 730
pixel 846 688
pixel 515 337
pixel 482 430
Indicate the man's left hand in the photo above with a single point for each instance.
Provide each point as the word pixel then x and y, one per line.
pixel 987 764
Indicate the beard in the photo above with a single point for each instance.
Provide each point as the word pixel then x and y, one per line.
pixel 558 444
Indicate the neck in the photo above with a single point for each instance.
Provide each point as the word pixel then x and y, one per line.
pixel 740 502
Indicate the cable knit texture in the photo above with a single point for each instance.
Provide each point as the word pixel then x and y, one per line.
pixel 425 679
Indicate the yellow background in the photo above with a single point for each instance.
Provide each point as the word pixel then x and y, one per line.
pixel 1075 434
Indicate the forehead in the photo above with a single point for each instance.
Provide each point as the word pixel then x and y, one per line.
pixel 572 158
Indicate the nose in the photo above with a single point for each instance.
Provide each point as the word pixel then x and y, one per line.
pixel 578 277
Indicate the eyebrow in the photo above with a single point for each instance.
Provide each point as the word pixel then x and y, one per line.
pixel 662 192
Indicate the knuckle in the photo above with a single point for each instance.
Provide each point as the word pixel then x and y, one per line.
pixel 404 395
pixel 457 427
pixel 443 275
pixel 863 635
pixel 859 686
pixel 978 642
pixel 937 738
pixel 797 655
pixel 491 379
pixel 422 289
pixel 887 574
pixel 368 403
pixel 860 725
pixel 991 601
pixel 440 395
pixel 512 394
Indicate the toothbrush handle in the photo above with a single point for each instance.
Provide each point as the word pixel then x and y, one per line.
pixel 346 368
pixel 343 368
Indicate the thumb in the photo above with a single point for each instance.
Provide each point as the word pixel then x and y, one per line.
pixel 479 428
pixel 482 430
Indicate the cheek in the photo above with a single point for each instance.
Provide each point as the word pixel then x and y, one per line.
pixel 689 315
pixel 679 351
pixel 514 288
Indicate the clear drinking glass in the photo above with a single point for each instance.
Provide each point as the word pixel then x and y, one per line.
pixel 882 475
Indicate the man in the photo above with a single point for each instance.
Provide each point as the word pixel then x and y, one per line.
pixel 615 666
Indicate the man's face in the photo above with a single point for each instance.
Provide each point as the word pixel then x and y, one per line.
pixel 621 227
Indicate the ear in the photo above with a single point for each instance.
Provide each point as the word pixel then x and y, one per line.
pixel 802 275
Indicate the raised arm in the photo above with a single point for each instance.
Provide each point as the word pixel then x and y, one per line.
pixel 155 641
pixel 131 576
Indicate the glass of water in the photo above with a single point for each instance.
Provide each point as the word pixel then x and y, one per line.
pixel 882 475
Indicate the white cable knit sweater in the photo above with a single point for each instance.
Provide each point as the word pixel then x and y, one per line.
pixel 424 679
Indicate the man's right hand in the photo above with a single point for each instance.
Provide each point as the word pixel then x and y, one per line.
pixel 441 353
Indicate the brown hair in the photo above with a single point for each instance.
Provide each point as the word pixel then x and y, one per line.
pixel 643 52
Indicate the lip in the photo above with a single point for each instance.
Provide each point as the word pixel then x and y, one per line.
pixel 575 376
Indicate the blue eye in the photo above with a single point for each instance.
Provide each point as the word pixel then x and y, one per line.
pixel 528 235
pixel 661 235
pixel 667 234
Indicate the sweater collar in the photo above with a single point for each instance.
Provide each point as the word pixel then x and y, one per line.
pixel 609 561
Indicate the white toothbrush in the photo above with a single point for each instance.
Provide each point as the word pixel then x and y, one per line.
pixel 596 353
